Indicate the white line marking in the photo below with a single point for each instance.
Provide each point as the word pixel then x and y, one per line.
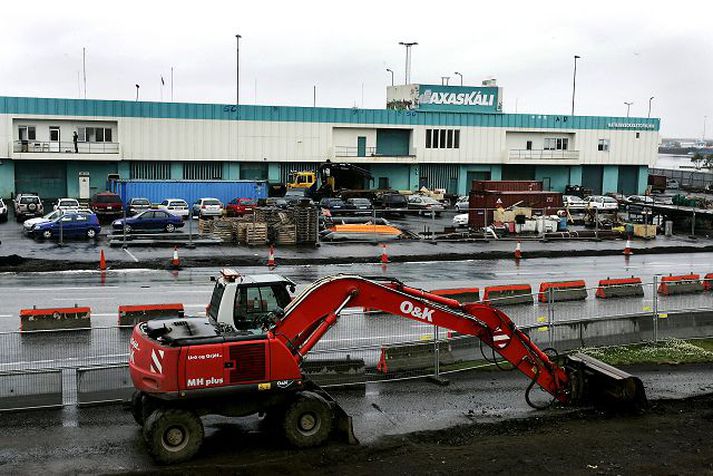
pixel 136 260
pixel 5 315
pixel 84 299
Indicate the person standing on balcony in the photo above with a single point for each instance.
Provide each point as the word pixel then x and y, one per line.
pixel 75 138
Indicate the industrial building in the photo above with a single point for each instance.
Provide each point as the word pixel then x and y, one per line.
pixel 428 135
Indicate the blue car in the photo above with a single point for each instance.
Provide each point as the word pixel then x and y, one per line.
pixel 150 220
pixel 69 225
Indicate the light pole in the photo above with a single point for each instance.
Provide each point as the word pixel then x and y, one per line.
pixel 574 81
pixel 392 75
pixel 137 93
pixel 444 80
pixel 628 107
pixel 704 127
pixel 461 77
pixel 649 113
pixel 237 70
pixel 407 66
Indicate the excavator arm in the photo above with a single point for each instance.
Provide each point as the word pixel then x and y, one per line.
pixel 314 311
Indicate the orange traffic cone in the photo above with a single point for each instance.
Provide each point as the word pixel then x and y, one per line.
pixel 627 248
pixel 175 261
pixel 384 256
pixel 271 257
pixel 102 260
pixel 518 252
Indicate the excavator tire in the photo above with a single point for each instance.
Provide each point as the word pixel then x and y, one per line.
pixel 308 420
pixel 173 435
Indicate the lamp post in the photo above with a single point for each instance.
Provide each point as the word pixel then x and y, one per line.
pixel 649 113
pixel 392 75
pixel 137 93
pixel 237 70
pixel 461 77
pixel 407 66
pixel 628 107
pixel 444 80
pixel 574 81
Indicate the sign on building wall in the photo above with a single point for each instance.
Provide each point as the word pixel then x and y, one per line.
pixel 425 97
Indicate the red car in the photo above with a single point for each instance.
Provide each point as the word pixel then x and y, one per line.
pixel 240 206
pixel 106 205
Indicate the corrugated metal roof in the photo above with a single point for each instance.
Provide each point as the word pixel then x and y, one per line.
pixel 143 109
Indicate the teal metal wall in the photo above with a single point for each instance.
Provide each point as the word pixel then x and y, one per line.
pixel 610 178
pixel 93 107
pixel 393 142
pixel 398 175
pixel 556 175
pixel 463 185
pixel 98 172
pixel 643 178
pixel 7 178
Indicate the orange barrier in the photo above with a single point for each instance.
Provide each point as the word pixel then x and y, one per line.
pixel 366 228
pixel 133 314
pixel 55 318
pixel 508 294
pixel 708 282
pixel 563 291
pixel 623 287
pixel 681 284
pixel 462 295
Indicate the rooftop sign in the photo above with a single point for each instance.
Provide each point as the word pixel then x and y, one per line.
pixel 424 97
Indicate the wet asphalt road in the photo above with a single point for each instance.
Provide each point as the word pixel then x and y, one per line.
pixel 105 439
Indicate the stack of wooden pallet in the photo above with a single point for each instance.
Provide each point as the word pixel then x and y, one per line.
pixel 255 234
pixel 286 234
pixel 205 227
pixel 223 229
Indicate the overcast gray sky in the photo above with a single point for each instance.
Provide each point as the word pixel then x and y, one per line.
pixel 630 50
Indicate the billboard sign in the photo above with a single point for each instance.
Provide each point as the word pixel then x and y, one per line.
pixel 434 98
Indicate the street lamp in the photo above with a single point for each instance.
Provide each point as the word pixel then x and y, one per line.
pixel 137 93
pixel 574 81
pixel 628 107
pixel 461 77
pixel 407 68
pixel 237 70
pixel 649 113
pixel 392 75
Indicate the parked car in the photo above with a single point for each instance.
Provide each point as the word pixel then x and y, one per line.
pixel 574 203
pixel 29 224
pixel 137 205
pixel 672 184
pixel 207 207
pixel 360 206
pixel 176 206
pixel 425 205
pixel 106 205
pixel 336 206
pixel 3 211
pixel 28 205
pixel 67 205
pixel 463 203
pixel 238 207
pixel 602 203
pixel 69 225
pixel 636 202
pixel 460 220
pixel 150 220
pixel 394 203
pixel 278 202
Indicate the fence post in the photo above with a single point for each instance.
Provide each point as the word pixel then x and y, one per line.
pixel 436 377
pixel 550 317
pixel 655 308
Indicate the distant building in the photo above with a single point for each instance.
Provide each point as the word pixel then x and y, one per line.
pixel 434 136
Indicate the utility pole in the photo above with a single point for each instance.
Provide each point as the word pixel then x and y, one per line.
pixel 237 70
pixel 314 96
pixel 574 81
pixel 649 113
pixel 171 83
pixel 628 107
pixel 84 70
pixel 407 66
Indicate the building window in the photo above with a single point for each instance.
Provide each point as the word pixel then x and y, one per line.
pixel 150 170
pixel 603 145
pixel 203 171
pixel 94 134
pixel 528 145
pixel 556 143
pixel 442 138
pixel 638 134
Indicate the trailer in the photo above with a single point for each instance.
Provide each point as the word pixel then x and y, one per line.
pixel 189 190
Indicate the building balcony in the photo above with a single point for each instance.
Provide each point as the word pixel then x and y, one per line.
pixel 530 155
pixel 53 147
pixel 348 151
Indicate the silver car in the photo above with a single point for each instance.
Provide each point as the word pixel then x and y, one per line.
pixel 207 207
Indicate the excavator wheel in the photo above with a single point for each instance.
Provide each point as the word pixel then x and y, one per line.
pixel 141 407
pixel 308 420
pixel 173 435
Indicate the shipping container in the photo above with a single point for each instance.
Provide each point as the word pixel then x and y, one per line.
pixel 506 185
pixel 189 190
pixel 543 202
pixel 657 182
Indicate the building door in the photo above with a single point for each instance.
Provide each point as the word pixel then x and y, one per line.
pixel 592 176
pixel 55 145
pixel 84 191
pixel 518 172
pixel 46 178
pixel 361 146
pixel 628 181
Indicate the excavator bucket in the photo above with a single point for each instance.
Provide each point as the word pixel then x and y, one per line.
pixel 594 382
pixel 343 428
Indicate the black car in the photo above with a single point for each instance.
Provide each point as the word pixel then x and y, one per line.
pixel 360 206
pixel 394 203
pixel 336 206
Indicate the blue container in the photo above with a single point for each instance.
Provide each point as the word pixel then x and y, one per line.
pixel 157 191
pixel 562 224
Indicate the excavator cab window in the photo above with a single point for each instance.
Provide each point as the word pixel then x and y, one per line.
pixel 254 303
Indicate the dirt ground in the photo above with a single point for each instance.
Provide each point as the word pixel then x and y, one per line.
pixel 672 437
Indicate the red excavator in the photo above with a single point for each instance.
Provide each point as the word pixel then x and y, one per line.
pixel 246 358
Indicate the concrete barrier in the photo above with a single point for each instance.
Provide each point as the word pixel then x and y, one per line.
pixel 563 291
pixel 24 389
pixel 55 318
pixel 400 358
pixel 681 284
pixel 623 287
pixel 507 295
pixel 335 371
pixel 104 384
pixel 133 314
pixel 462 295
